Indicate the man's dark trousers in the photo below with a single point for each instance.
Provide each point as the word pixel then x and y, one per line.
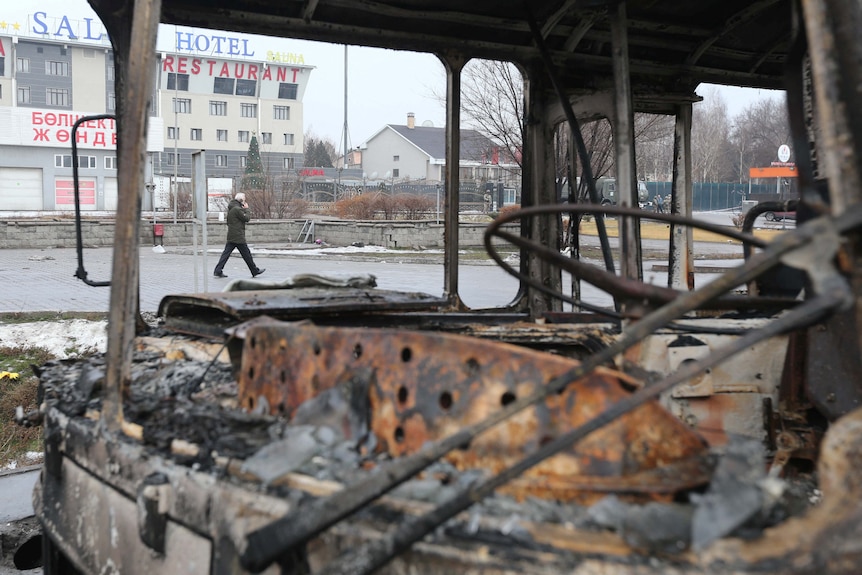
pixel 229 247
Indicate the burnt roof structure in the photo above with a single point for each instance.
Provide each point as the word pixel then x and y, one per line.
pixel 674 45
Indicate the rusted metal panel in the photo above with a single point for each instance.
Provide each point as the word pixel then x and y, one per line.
pixel 426 386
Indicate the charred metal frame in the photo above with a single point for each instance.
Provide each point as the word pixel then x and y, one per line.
pixel 81 273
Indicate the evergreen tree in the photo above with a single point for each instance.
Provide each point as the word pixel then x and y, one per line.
pixel 254 177
pixel 316 153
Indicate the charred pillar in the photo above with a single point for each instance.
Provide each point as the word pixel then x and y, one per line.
pixel 539 188
pixel 832 34
pixel 681 269
pixel 451 203
pixel 631 265
pixel 134 38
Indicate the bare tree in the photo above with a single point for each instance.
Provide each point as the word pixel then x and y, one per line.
pixel 757 133
pixel 492 102
pixel 492 99
pixel 711 152
pixel 654 146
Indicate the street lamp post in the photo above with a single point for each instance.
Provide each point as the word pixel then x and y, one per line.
pixel 438 203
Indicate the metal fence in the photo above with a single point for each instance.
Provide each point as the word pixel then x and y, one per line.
pixel 710 196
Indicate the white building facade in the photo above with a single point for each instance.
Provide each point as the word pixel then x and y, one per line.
pixel 55 70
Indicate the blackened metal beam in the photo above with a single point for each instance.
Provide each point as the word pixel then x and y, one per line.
pixel 681 268
pixel 452 204
pixel 137 51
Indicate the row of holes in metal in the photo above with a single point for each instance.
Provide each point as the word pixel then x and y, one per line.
pixel 445 400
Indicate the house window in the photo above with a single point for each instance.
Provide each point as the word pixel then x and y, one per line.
pixel 182 105
pixel 22 65
pixel 173 132
pixel 112 102
pixel 396 158
pixel 178 82
pixel 197 134
pixel 223 86
pixel 243 161
pixel 56 68
pixel 287 91
pixel 221 135
pixel 65 161
pixel 289 163
pixel 221 160
pixel 23 94
pixel 465 173
pixel 169 159
pixel 246 88
pixel 395 173
pixel 288 139
pixel 2 66
pixel 110 72
pixel 57 97
pixel 110 162
pixel 281 112
pixel 248 110
pixel 243 136
pixel 266 137
pixel 218 108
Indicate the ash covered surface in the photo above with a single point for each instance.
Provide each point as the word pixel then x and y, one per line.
pixel 196 402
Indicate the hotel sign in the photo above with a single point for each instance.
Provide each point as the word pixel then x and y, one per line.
pixel 196 41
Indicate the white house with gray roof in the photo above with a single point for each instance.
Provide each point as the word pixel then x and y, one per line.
pixel 411 153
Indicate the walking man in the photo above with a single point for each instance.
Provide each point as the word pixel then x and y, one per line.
pixel 237 216
pixel 659 204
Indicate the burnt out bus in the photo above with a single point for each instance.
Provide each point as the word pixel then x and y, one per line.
pixel 344 429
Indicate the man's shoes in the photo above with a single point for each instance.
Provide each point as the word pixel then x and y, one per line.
pixel 258 272
pixel 219 275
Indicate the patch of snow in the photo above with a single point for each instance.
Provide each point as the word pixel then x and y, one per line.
pixel 64 339
pixel 344 250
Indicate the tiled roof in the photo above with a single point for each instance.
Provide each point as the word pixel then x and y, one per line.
pixel 474 146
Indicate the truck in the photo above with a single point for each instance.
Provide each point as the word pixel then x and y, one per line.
pixel 607 191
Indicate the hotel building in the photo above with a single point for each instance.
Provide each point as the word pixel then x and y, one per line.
pixel 213 93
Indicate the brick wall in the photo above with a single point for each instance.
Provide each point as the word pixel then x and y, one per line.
pixel 23 233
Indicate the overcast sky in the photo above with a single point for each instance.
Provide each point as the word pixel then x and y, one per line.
pixel 383 85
